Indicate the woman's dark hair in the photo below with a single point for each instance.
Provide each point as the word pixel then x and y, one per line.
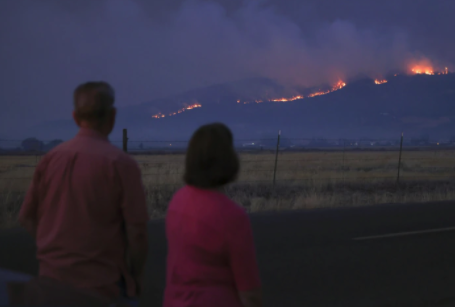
pixel 211 160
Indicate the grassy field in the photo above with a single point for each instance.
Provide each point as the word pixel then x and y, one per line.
pixel 303 179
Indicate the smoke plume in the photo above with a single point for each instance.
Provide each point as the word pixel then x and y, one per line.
pixel 50 46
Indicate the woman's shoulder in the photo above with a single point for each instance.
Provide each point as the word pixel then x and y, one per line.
pixel 232 210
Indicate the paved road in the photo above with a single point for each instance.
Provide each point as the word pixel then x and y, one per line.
pixel 389 255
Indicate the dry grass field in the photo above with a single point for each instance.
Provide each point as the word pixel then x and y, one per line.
pixel 303 179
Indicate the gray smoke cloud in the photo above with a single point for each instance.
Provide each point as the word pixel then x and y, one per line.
pixel 149 51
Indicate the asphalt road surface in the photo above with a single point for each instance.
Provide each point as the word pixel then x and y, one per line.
pixel 387 255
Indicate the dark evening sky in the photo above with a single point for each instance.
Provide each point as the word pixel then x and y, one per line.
pixel 149 49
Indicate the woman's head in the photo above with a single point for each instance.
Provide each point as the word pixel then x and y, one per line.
pixel 211 160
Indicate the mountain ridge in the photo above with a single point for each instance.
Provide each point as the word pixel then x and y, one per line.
pixel 416 105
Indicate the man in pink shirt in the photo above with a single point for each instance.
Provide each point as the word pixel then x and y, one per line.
pixel 86 205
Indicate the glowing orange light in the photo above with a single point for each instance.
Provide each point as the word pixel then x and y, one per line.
pixel 318 94
pixel 190 107
pixel 339 86
pixel 193 106
pixel 423 70
pixel 380 81
pixel 336 87
pixel 428 70
pixel 287 99
pixel 422 67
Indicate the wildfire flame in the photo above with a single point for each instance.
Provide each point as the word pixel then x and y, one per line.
pixel 423 70
pixel 287 99
pixel 190 107
pixel 318 94
pixel 377 81
pixel 334 88
pixel 428 70
pixel 424 67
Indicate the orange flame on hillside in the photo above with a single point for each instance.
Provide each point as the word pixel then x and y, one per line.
pixel 190 107
pixel 422 67
pixel 318 94
pixel 287 99
pixel 428 70
pixel 377 81
pixel 419 70
pixel 425 67
pixel 336 87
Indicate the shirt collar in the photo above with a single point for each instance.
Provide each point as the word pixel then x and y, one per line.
pixel 91 133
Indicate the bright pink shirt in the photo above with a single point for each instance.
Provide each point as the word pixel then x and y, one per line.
pixel 211 253
pixel 82 194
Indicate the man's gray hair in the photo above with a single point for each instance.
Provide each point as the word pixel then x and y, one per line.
pixel 93 100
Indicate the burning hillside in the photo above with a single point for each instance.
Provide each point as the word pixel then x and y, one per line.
pixel 339 85
pixel 423 67
pixel 320 92
pixel 419 70
pixel 190 107
pixel 426 67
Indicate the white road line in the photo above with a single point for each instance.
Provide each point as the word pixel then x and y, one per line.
pixel 401 234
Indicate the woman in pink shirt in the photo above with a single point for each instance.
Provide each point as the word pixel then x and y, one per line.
pixel 211 258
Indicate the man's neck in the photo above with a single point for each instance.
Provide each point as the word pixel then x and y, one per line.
pixel 84 131
pixel 98 130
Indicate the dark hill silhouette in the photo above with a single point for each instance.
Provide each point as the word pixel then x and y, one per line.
pixel 416 105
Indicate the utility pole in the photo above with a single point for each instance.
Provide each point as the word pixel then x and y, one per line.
pixel 125 140
pixel 276 157
pixel 399 159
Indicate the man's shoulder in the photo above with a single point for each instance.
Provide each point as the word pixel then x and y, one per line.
pixel 122 158
pixel 57 150
pixel 60 147
pixel 103 149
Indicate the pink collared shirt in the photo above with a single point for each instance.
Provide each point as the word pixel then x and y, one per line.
pixel 82 194
pixel 211 253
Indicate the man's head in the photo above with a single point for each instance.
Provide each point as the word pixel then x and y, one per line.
pixel 94 106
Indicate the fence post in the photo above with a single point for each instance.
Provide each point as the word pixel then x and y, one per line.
pixel 399 159
pixel 344 151
pixel 276 157
pixel 125 140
